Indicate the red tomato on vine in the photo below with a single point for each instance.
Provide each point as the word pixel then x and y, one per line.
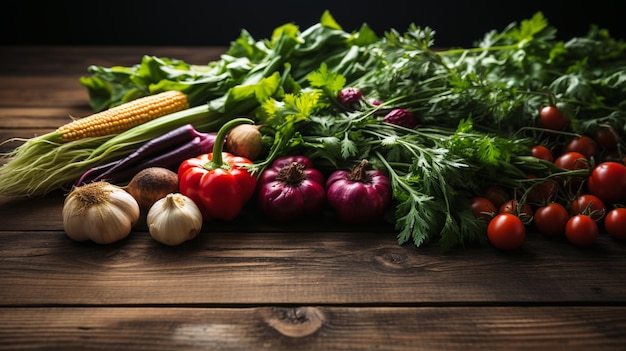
pixel 483 208
pixel 542 192
pixel 522 210
pixel 551 219
pixel 608 182
pixel 572 160
pixel 615 223
pixel 551 117
pixel 583 144
pixel 606 138
pixel 506 231
pixel 581 230
pixel 542 152
pixel 590 205
pixel 497 195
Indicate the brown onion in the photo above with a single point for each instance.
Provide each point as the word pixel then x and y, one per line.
pixel 245 140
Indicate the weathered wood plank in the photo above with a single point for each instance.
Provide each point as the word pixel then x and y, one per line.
pixel 42 92
pixel 74 60
pixel 230 263
pixel 16 119
pixel 303 328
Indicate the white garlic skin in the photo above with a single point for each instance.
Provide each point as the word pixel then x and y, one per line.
pixel 174 219
pixel 101 212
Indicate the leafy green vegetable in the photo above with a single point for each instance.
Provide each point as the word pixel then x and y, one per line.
pixel 290 52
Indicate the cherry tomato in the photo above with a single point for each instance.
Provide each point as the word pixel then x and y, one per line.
pixel 497 195
pixel 615 223
pixel 608 182
pixel 572 160
pixel 551 219
pixel 606 138
pixel 541 192
pixel 590 205
pixel 614 155
pixel 542 152
pixel 506 231
pixel 583 144
pixel 581 230
pixel 550 117
pixel 483 208
pixel 525 212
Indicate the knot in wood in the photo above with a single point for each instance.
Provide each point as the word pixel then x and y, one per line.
pixel 295 322
pixel 393 259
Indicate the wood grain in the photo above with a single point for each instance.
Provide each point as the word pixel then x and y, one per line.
pixel 69 61
pixel 313 328
pixel 264 262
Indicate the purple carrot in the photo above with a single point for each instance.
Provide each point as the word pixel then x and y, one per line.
pixel 170 160
pixel 149 150
pixel 93 172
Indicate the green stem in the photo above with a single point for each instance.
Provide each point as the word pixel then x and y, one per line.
pixel 394 175
pixel 277 148
pixel 217 160
pixel 478 50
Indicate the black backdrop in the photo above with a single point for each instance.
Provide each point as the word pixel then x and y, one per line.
pixel 185 22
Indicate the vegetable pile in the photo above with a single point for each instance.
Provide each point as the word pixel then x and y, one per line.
pixel 455 146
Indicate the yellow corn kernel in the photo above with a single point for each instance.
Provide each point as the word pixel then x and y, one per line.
pixel 123 117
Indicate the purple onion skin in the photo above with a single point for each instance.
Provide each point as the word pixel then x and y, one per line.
pixel 356 201
pixel 401 117
pixel 349 97
pixel 285 194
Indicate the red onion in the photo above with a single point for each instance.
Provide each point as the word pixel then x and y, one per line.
pixel 349 97
pixel 358 196
pixel 401 117
pixel 291 188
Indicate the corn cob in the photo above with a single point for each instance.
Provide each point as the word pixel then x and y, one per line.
pixel 126 116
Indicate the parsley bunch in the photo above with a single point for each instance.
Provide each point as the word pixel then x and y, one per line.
pixel 433 170
pixel 472 106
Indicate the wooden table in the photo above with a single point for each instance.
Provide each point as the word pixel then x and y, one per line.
pixel 253 285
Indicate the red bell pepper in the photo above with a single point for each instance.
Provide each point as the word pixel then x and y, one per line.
pixel 218 182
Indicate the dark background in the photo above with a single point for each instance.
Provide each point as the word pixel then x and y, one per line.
pixel 183 22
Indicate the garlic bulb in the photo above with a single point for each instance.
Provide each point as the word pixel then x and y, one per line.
pixel 174 219
pixel 100 212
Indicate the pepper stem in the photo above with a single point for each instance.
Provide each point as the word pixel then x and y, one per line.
pixel 359 173
pixel 217 161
